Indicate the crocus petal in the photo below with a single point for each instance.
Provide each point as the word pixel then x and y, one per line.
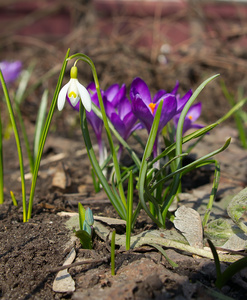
pixel 111 92
pixel 114 94
pixel 194 112
pixel 124 108
pixel 175 89
pixel 93 119
pixel 181 102
pixel 129 121
pixel 158 95
pixel 62 96
pixel 10 70
pixel 109 108
pixel 138 126
pixel 118 124
pixel 138 86
pixel 91 88
pixel 85 97
pixel 169 110
pixel 142 112
pixel 187 125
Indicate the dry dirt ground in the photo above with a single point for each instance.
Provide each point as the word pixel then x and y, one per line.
pixel 31 252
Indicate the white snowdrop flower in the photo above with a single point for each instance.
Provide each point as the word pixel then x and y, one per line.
pixel 75 91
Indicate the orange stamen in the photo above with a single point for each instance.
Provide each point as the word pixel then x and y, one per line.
pixel 190 117
pixel 152 106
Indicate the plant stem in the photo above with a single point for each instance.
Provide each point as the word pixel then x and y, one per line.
pixel 129 210
pixel 1 165
pixel 86 59
pixel 44 135
pixel 18 145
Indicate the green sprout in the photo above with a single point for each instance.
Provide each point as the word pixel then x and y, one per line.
pixel 224 277
pixel 86 221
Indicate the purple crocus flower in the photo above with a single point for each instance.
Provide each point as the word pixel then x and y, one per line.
pixel 193 114
pixel 119 111
pixel 145 108
pixel 10 70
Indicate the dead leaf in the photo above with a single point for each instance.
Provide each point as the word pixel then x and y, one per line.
pixel 61 178
pixel 188 221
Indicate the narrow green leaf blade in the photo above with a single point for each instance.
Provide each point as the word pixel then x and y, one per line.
pixel 40 123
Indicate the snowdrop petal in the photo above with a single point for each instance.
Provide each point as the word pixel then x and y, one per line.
pixel 73 92
pixel 62 97
pixel 84 95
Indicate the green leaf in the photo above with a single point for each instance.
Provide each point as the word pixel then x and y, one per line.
pixel 82 213
pixel 162 251
pixel 129 210
pixel 144 165
pixel 85 239
pixel 24 79
pixel 40 123
pixel 234 268
pixel 237 209
pixel 220 230
pixel 116 202
pixel 216 259
pixel 199 162
pixel 44 135
pixel 213 193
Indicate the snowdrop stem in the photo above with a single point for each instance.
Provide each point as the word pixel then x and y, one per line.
pixel 86 59
pixel 44 135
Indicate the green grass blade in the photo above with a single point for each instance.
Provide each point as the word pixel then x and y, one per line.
pixel 196 134
pixel 194 164
pixel 20 93
pixel 216 258
pixel 118 205
pixel 179 141
pixel 129 210
pixel 144 164
pixel 25 137
pixel 86 59
pixel 13 198
pixel 1 165
pixel 213 193
pixel 235 267
pixel 18 145
pixel 44 135
pixel 238 119
pixel 162 251
pixel 40 123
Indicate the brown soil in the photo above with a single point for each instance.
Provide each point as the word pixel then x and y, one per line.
pixel 30 252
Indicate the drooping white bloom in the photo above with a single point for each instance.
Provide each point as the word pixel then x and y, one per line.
pixel 75 91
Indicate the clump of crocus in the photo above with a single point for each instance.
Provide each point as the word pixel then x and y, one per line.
pixel 75 92
pixel 193 114
pixel 10 70
pixel 144 107
pixel 118 110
